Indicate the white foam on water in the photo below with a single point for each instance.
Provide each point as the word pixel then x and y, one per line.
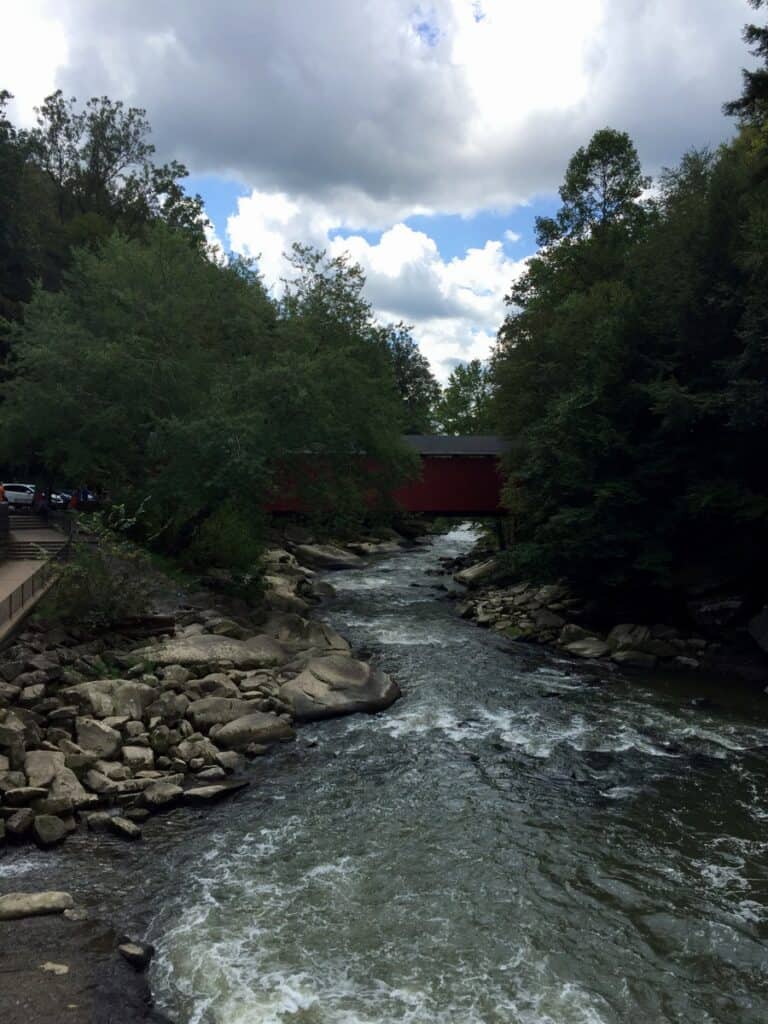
pixel 721 876
pixel 621 792
pixel 363 584
pixel 12 868
pixel 751 912
pixel 427 718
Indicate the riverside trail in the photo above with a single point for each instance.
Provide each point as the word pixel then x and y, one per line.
pixel 516 841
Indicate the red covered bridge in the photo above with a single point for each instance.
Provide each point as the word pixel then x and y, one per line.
pixel 460 476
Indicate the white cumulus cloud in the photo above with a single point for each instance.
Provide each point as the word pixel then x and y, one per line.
pixel 455 306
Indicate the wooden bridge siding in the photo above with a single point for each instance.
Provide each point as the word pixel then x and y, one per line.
pixel 454 485
pixel 448 485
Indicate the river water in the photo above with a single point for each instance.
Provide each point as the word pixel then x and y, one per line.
pixel 514 842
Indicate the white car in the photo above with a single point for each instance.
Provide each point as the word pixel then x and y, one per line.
pixel 19 494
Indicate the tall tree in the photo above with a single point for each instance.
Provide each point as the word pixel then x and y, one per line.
pixel 416 385
pixel 465 406
pixel 752 106
pixel 602 186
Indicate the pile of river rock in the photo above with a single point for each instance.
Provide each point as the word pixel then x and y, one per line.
pixel 100 733
pixel 540 614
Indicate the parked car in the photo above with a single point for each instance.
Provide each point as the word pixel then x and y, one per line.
pixel 19 494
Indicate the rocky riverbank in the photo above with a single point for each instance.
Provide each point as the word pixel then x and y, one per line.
pixel 101 731
pixel 553 615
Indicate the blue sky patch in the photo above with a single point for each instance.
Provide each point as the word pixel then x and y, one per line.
pixel 453 234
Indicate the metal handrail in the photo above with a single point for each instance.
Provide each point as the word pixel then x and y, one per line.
pixel 18 598
pixel 26 590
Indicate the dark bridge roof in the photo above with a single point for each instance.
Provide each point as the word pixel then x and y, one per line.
pixel 445 444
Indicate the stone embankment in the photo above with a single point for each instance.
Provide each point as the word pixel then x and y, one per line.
pixel 101 732
pixel 545 615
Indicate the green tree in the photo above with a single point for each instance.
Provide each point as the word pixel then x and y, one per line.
pixel 631 372
pixel 416 385
pixel 99 162
pixel 752 106
pixel 602 187
pixel 125 372
pixel 346 407
pixel 465 406
pixel 13 259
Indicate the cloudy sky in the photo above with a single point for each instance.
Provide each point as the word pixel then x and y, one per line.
pixel 424 138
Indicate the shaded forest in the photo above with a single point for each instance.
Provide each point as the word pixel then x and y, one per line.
pixel 632 368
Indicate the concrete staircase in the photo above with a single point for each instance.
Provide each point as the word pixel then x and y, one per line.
pixel 31 540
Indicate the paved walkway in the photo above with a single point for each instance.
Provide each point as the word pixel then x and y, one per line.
pixel 14 573
pixel 44 533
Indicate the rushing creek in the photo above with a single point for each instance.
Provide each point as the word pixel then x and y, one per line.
pixel 514 842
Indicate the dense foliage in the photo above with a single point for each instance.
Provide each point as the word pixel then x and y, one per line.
pixel 632 368
pixel 465 404
pixel 137 362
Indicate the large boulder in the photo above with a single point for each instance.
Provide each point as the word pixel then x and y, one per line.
pixel 170 707
pixel 589 647
pixel 29 904
pixel 132 699
pixel 257 727
pixel 49 830
pixel 570 633
pixel 97 737
pixel 212 711
pixel 269 651
pixel 338 685
pixel 474 575
pixel 42 766
pixel 67 786
pixel 327 556
pixel 161 795
pixel 206 649
pixel 281 594
pixel 190 749
pixel 297 632
pixel 628 637
pixel 638 639
pixel 279 559
pixel 13 737
pixel 95 698
pixel 139 758
pixel 207 794
pixel 19 823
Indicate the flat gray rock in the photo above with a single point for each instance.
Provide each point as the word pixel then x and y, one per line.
pixel 207 794
pixel 94 697
pixel 30 904
pixel 212 711
pixel 337 685
pixel 22 796
pixel 473 575
pixel 132 699
pixel 267 649
pixel 97 737
pixel 205 649
pixel 161 795
pixel 124 828
pixel 42 766
pixel 256 727
pixel 589 647
pixel 327 556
